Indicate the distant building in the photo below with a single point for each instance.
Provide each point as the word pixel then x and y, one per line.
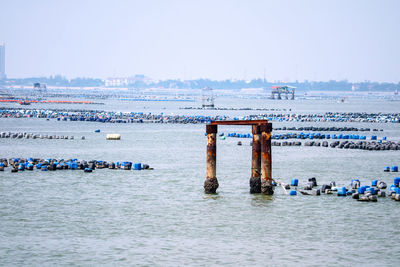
pixel 40 87
pixel 207 97
pixel 116 82
pixel 280 91
pixel 2 61
pixel 126 81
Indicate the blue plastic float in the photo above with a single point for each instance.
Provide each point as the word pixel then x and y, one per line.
pixel 137 166
pixel 386 169
pixel 342 191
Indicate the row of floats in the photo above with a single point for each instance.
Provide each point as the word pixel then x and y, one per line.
pixel 331 117
pixel 18 164
pixel 106 116
pixel 25 135
pixel 125 117
pixel 358 192
pixel 25 101
pixel 325 129
pixel 394 168
pixel 345 143
pixel 45 136
pixel 308 136
pixel 364 145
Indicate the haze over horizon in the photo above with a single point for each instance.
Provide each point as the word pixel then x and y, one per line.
pixel 289 40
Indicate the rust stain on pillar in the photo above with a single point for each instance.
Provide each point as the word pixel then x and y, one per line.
pixel 255 179
pixel 266 160
pixel 256 153
pixel 211 182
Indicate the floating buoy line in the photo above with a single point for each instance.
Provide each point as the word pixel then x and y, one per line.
pixel 49 164
pixel 365 193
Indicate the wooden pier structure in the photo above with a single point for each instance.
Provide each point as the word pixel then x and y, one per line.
pixel 261 161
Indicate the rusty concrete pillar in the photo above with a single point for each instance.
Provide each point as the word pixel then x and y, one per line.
pixel 211 182
pixel 255 179
pixel 266 159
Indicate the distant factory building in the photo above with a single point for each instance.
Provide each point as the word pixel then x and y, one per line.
pixel 2 61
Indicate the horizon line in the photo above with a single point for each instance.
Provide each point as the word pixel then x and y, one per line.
pixel 201 78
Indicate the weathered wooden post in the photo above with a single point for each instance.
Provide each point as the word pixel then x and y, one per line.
pixel 266 159
pixel 255 179
pixel 211 182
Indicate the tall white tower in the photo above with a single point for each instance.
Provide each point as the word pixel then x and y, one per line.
pixel 2 61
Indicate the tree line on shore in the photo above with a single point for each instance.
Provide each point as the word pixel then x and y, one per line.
pixel 143 83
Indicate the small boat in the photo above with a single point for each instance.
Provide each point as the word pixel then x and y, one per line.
pixel 341 100
pixel 24 102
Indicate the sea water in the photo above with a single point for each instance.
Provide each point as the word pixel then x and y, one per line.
pixel 162 217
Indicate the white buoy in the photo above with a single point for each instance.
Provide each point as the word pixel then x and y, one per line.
pixel 113 137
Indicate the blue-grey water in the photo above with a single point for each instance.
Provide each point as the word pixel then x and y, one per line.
pixel 162 217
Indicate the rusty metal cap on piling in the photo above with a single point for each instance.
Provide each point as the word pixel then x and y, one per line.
pixel 266 127
pixel 239 122
pixel 210 129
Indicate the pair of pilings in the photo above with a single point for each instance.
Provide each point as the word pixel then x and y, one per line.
pixel 261 162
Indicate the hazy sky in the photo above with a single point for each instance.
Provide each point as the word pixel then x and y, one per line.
pixel 315 40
